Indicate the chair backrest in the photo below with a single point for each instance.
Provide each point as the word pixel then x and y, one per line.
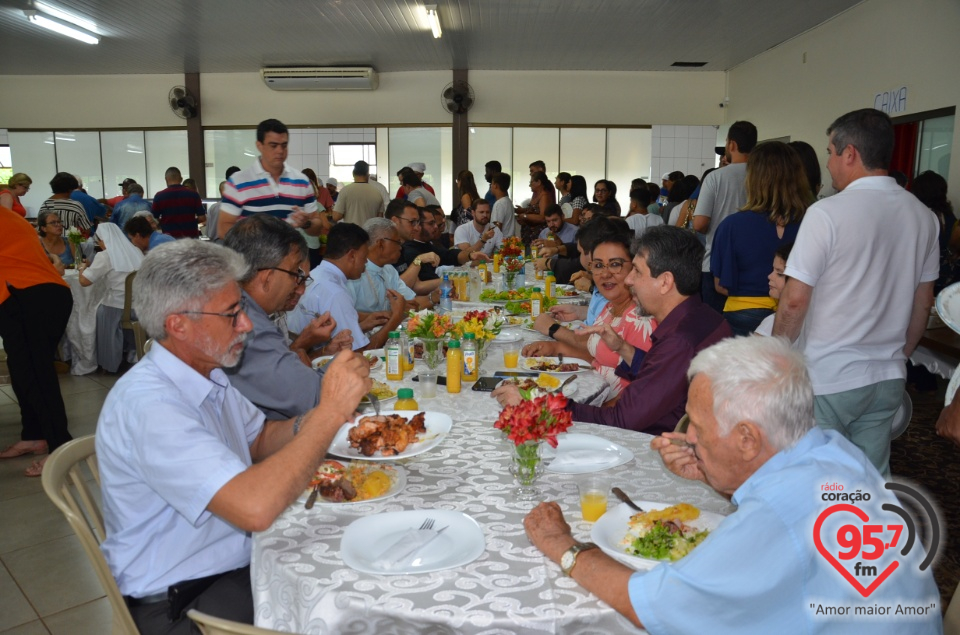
pixel 128 299
pixel 210 625
pixel 67 486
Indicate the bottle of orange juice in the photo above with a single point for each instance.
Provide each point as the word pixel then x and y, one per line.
pixel 536 300
pixel 471 361
pixel 394 357
pixel 548 283
pixel 405 400
pixel 454 366
pixel 497 259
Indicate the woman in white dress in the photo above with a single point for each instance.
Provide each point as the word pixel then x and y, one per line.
pixel 118 258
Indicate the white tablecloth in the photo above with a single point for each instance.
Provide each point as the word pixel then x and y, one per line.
pixel 81 335
pixel 301 585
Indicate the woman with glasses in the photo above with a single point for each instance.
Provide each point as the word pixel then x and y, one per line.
pixel 605 195
pixel 744 245
pixel 610 265
pixel 54 243
pixel 117 260
pixel 17 186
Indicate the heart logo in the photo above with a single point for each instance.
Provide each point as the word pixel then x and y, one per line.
pixel 862 515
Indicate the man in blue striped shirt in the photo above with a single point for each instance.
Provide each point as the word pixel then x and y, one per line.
pixel 270 186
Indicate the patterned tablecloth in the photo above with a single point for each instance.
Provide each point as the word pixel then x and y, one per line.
pixel 300 583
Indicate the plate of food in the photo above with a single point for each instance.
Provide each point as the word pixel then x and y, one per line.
pixel 355 482
pixel 383 392
pixel 665 533
pixel 553 365
pixel 578 453
pixel 372 357
pixel 391 435
pixel 544 382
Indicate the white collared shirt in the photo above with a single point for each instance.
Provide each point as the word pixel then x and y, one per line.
pixel 328 293
pixel 168 439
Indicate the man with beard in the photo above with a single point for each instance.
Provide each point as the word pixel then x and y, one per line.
pixel 189 466
pixel 480 235
pixel 277 377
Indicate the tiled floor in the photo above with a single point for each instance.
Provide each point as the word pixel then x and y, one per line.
pixel 47 585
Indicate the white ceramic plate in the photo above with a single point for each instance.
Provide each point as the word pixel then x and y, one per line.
pixel 372 356
pixel 612 527
pixel 461 543
pixel 396 473
pixel 437 424
pixel 948 306
pixel 568 391
pixel 582 453
pixel 527 363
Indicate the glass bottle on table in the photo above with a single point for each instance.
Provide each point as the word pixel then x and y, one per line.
pixel 454 366
pixel 394 357
pixel 471 358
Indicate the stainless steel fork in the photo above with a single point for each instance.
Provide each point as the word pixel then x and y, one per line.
pixel 374 402
pixel 427 524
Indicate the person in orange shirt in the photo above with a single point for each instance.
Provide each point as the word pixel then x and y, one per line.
pixel 35 305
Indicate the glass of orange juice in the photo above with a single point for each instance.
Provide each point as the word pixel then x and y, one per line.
pixel 511 355
pixel 593 498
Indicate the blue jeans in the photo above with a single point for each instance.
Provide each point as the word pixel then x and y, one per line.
pixel 745 321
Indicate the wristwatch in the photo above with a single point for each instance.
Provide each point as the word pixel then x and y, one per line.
pixel 569 558
pixel 552 331
pixel 417 261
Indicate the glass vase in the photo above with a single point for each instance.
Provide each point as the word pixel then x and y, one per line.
pixel 432 352
pixel 527 466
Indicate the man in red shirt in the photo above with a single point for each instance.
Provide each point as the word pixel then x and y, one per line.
pixel 178 208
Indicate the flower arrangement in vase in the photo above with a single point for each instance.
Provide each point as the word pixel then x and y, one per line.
pixel 430 328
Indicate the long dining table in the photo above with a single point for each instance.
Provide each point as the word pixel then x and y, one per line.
pixel 302 585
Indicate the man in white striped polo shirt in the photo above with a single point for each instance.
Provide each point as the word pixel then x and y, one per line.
pixel 270 186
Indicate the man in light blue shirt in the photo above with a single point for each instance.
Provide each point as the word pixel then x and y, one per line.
pixel 189 467
pixel 369 291
pixel 345 260
pixel 752 437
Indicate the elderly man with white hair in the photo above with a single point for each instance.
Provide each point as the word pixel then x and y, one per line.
pixel 190 467
pixel 369 291
pixel 752 437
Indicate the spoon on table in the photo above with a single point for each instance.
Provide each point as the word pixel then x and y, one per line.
pixel 619 493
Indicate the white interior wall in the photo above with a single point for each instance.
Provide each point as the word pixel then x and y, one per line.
pixel 877 46
pixel 242 99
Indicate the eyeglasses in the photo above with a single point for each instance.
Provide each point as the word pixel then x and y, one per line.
pixel 233 316
pixel 53 222
pixel 615 266
pixel 412 222
pixel 600 189
pixel 298 274
pixel 393 240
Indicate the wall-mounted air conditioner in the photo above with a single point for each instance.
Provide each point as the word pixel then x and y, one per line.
pixel 321 78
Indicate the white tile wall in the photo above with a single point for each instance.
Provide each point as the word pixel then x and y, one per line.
pixel 310 147
pixel 689 149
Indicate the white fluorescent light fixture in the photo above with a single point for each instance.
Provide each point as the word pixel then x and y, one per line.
pixel 79 21
pixel 61 26
pixel 434 19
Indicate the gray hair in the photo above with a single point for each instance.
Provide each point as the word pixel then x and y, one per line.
pixel 135 188
pixel 758 379
pixel 42 220
pixel 265 242
pixel 145 213
pixel 181 276
pixel 379 228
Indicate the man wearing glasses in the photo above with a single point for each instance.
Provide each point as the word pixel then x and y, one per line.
pixel 277 378
pixel 189 467
pixel 406 218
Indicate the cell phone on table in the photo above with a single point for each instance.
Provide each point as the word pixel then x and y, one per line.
pixel 514 373
pixel 441 380
pixel 487 384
